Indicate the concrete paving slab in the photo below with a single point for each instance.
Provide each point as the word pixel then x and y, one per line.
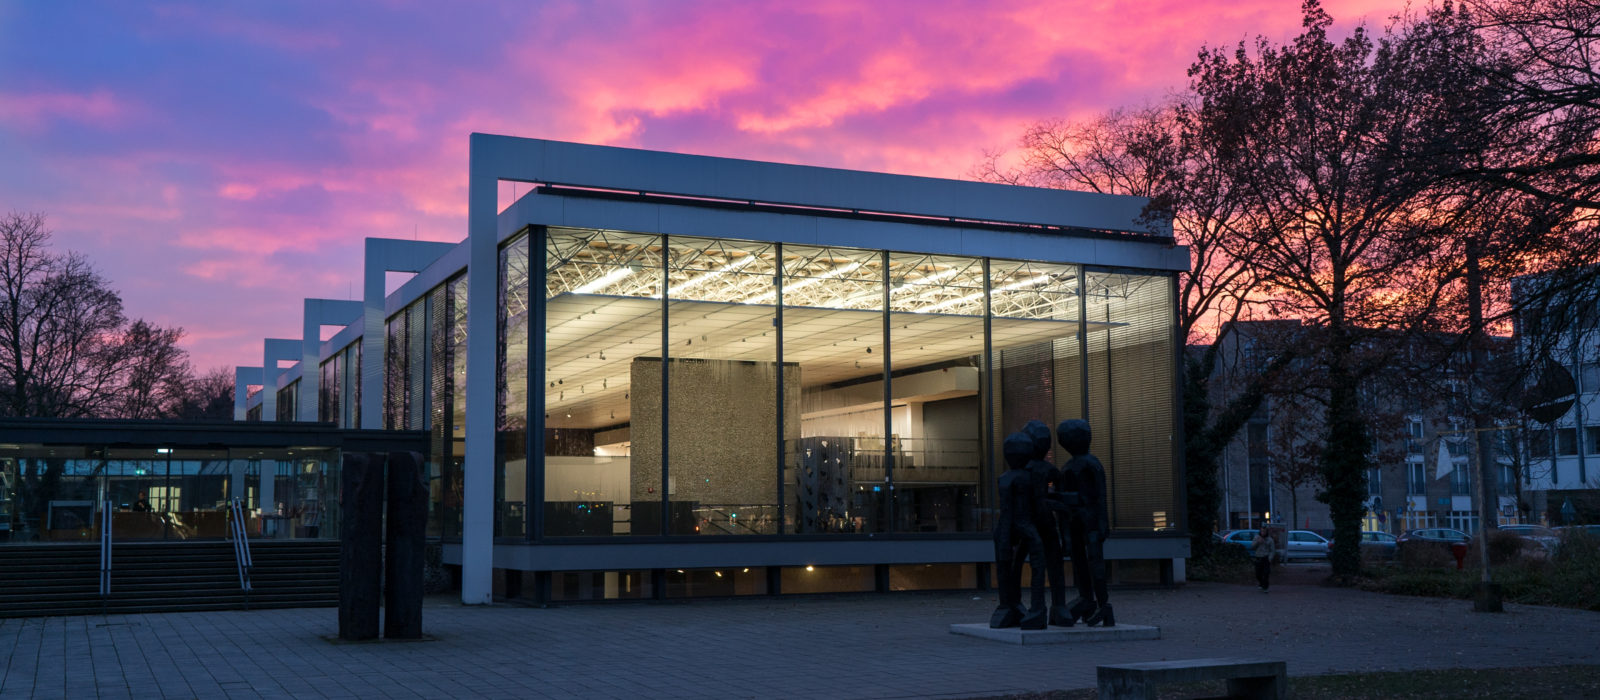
pixel 835 647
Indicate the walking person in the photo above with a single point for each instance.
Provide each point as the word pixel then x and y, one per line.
pixel 1261 549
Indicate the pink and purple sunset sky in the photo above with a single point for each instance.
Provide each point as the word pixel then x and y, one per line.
pixel 219 162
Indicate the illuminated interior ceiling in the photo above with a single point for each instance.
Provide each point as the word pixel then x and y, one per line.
pixel 743 272
pixel 591 341
pixel 604 292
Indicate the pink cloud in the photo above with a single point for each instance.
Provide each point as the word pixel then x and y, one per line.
pixel 31 111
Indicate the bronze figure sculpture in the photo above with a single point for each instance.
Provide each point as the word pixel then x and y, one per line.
pixel 1046 477
pixel 1016 535
pixel 1080 495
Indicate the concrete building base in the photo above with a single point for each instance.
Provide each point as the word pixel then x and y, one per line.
pixel 1057 635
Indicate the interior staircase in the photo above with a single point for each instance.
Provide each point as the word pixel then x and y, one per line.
pixel 64 579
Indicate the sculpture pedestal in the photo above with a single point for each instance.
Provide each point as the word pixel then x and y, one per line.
pixel 1057 635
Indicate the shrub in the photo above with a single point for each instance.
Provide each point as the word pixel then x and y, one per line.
pixel 1505 548
pixel 1570 577
pixel 1225 564
pixel 1433 582
pixel 1574 579
pixel 1422 554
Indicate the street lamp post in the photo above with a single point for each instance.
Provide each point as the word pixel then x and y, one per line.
pixel 1488 598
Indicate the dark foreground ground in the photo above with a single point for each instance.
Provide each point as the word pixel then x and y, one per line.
pixel 857 646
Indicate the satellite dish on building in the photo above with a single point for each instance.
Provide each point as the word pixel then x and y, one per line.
pixel 1552 395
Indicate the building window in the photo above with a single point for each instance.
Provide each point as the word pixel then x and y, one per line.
pixel 1591 439
pixel 288 397
pixel 1460 480
pixel 1539 444
pixel 944 436
pixel 1566 442
pixel 1589 378
pixel 1508 479
pixel 1260 484
pixel 511 405
pixel 1417 479
pixel 327 392
pixel 1375 482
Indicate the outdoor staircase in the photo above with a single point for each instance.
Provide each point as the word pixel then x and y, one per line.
pixel 64 579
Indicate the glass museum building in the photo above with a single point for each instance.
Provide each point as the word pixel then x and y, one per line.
pixel 656 375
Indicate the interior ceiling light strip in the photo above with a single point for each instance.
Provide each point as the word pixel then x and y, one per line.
pixel 604 281
pixel 730 267
pixel 1034 281
pixel 835 272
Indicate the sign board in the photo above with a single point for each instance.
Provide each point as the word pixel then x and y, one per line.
pixel 1552 395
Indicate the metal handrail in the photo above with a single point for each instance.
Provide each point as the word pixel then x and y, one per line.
pixel 105 550
pixel 241 544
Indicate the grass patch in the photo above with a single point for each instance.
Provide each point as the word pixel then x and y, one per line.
pixel 1523 683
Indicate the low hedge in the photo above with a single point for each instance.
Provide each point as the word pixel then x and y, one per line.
pixel 1568 577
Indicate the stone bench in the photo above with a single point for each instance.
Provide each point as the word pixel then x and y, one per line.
pixel 1247 678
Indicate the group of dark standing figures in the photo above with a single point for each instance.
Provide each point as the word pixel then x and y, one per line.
pixel 1045 511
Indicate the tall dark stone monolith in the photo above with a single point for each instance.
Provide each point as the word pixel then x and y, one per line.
pixel 361 545
pixel 405 526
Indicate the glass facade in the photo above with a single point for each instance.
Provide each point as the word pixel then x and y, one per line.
pixel 697 386
pixel 511 395
pixel 424 389
pixel 603 332
pixel 339 392
pixel 56 493
pixel 288 398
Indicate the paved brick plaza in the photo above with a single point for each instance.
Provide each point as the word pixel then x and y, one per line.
pixel 823 647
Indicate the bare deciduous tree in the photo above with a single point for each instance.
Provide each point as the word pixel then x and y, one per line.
pixel 66 349
pixel 1162 154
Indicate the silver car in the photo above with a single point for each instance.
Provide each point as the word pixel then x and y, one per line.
pixel 1246 540
pixel 1546 538
pixel 1305 544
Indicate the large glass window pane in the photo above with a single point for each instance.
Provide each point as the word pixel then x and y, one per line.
pixel 722 377
pixel 451 433
pixel 836 478
pixel 511 409
pixel 1037 361
pixel 347 386
pixel 287 400
pixel 394 372
pixel 328 391
pixel 936 352
pixel 416 403
pixel 602 393
pixel 1131 357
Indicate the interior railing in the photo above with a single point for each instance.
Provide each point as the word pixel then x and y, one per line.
pixel 241 546
pixel 105 552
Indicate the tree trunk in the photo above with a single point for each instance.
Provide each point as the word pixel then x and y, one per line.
pixel 1344 461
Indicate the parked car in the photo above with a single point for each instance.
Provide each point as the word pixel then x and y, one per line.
pixel 1546 538
pixel 1239 537
pixel 1435 534
pixel 1245 538
pixel 1305 544
pixel 1591 529
pixel 1379 545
